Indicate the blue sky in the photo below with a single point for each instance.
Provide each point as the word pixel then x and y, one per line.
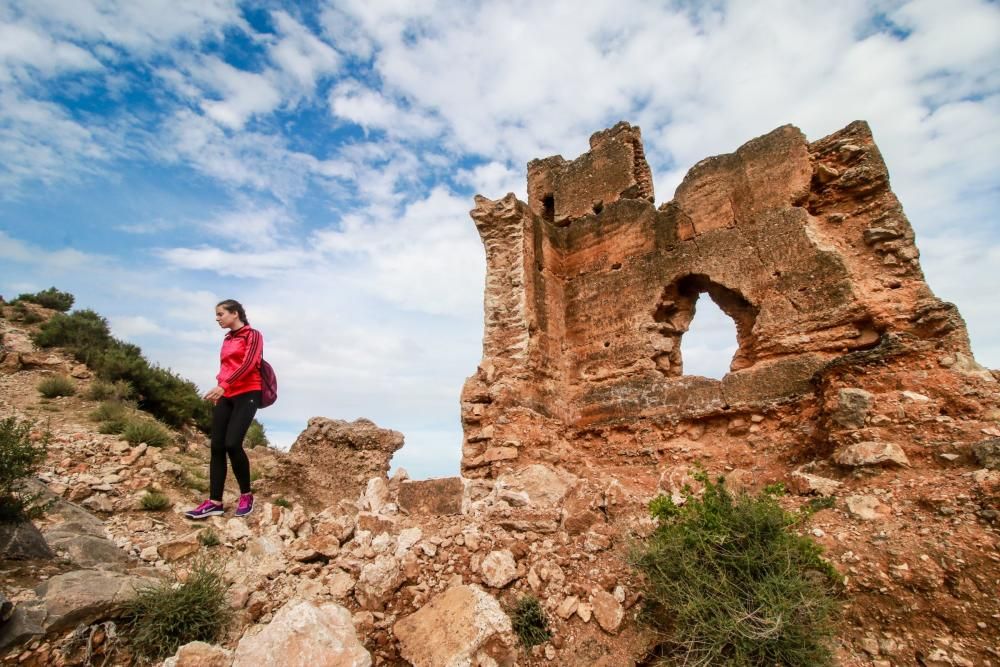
pixel 317 161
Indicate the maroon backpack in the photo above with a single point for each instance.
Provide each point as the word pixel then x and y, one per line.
pixel 268 385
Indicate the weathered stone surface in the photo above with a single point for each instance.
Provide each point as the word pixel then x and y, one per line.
pixel 538 485
pixel 431 496
pixel 590 289
pixel 499 568
pixel 179 548
pixel 302 634
pixel 805 483
pixel 870 454
pixel 378 580
pixel 336 459
pixel 450 629
pixel 852 407
pixel 987 453
pixel 608 611
pixel 22 541
pixel 200 654
pixel 866 508
pixel 66 600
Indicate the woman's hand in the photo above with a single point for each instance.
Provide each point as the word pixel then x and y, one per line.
pixel 215 394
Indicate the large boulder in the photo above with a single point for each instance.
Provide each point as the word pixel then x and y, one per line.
pixel 431 496
pixel 200 654
pixel 68 600
pixel 453 629
pixel 22 541
pixel 302 634
pixel 335 459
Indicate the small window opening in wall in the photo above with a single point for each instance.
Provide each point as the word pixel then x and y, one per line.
pixel 598 207
pixel 549 208
pixel 616 266
pixel 709 344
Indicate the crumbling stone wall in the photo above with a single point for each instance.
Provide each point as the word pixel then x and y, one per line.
pixel 590 287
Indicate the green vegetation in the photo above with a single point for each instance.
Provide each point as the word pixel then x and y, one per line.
pixel 24 314
pixel 194 477
pixel 728 582
pixel 57 385
pixel 209 538
pixel 49 298
pixel 255 436
pixel 529 622
pixel 154 501
pixel 147 431
pixel 20 458
pixel 281 501
pixel 160 392
pixel 101 390
pixel 163 617
pixel 113 415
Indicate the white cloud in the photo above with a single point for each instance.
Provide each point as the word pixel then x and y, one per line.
pixel 23 48
pixel 242 94
pixel 130 326
pixel 495 179
pixel 143 26
pixel 301 54
pixel 372 110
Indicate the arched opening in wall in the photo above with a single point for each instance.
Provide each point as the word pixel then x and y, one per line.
pixel 708 346
pixel 712 348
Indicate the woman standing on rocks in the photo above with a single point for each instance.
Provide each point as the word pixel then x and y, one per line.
pixel 236 399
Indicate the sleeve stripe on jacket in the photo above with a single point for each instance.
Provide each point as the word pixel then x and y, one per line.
pixel 250 360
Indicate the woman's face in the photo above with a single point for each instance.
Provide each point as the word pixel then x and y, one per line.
pixel 226 319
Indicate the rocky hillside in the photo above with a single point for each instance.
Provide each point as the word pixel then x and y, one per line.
pixel 340 565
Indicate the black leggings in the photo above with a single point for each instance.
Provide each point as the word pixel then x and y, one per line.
pixel 230 420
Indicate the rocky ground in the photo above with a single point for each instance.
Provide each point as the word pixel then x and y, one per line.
pixel 366 569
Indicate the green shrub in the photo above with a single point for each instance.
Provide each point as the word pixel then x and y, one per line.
pixel 23 314
pixel 102 390
pixel 113 415
pixel 163 617
pixel 727 582
pixel 57 385
pixel 209 538
pixel 281 501
pixel 50 298
pixel 159 391
pixel 154 501
pixel 530 622
pixel 147 431
pixel 255 436
pixel 20 458
pixel 194 478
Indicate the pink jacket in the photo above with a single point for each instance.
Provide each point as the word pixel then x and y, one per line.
pixel 240 368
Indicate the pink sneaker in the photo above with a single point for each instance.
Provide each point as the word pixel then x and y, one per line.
pixel 205 510
pixel 245 506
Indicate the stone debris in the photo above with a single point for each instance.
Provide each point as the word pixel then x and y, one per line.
pixel 452 628
pixel 200 654
pixel 302 634
pixel 871 454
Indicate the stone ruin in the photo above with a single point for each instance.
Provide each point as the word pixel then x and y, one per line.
pixel 590 289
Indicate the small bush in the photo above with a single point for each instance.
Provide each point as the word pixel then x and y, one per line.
pixel 102 390
pixel 20 458
pixel 281 501
pixel 23 314
pixel 529 622
pixel 154 501
pixel 255 436
pixel 147 431
pixel 57 385
pixel 195 479
pixel 50 298
pixel 209 538
pixel 114 416
pixel 728 582
pixel 163 617
pixel 255 474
